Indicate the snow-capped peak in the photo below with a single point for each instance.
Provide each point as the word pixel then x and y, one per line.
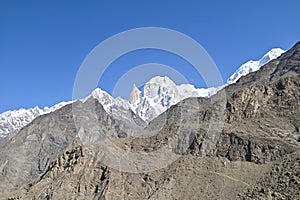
pixel 118 108
pixel 274 53
pixel 252 66
pixel 159 93
pixel 108 102
pixel 271 55
pixel 162 81
pixel 104 98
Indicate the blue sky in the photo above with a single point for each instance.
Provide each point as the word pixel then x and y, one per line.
pixel 43 43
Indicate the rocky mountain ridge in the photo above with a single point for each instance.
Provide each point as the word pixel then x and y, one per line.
pixel 143 106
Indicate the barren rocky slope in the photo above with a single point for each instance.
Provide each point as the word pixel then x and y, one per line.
pixel 255 154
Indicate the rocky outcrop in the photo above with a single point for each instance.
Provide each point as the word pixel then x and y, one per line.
pixel 257 150
pixel 134 95
pixel 77 175
pixel 281 182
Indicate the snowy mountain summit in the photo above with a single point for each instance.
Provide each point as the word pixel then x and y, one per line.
pixel 252 66
pixel 160 93
pixel 118 108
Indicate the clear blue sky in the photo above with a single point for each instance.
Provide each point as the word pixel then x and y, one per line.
pixel 43 43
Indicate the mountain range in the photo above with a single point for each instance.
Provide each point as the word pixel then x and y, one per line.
pixel 243 142
pixel 156 97
pixel 240 141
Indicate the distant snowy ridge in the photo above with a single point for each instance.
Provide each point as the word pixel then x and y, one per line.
pixel 14 120
pixel 157 96
pixel 252 66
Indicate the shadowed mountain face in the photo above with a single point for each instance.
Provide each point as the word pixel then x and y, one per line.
pixel 244 144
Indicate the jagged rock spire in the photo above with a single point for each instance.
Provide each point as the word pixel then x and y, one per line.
pixel 134 95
